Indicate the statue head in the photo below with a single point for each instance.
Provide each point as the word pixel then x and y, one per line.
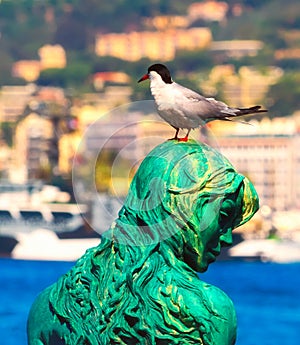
pixel 182 206
pixel 189 196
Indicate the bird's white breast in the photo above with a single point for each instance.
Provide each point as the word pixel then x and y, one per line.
pixel 170 103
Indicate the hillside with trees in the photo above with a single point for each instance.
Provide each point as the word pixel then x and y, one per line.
pixel 27 25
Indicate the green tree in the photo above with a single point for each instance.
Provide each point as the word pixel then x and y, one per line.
pixel 76 74
pixel 190 61
pixel 7 130
pixel 71 32
pixel 52 77
pixel 284 97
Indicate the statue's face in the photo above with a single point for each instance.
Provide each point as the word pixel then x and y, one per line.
pixel 215 231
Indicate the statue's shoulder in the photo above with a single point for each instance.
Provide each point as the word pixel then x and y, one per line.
pixel 210 297
pixel 213 292
pixel 213 309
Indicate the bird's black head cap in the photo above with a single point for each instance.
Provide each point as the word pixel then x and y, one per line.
pixel 163 71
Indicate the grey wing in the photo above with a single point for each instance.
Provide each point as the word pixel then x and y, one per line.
pixel 221 109
pixel 205 108
pixel 189 94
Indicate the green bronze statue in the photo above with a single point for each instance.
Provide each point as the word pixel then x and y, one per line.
pixel 140 285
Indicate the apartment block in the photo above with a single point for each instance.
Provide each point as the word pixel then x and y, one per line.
pixel 269 156
pixel 26 69
pixel 241 88
pixel 32 145
pixel 13 100
pixel 208 10
pixel 155 45
pixel 52 56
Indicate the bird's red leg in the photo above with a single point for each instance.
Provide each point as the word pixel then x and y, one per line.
pixel 176 134
pixel 186 137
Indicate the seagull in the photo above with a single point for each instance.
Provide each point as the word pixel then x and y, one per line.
pixel 184 108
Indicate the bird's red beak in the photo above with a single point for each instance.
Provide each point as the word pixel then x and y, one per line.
pixel 144 77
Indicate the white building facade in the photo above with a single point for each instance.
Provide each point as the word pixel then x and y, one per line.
pixel 272 163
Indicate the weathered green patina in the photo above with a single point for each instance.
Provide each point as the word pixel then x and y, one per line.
pixel 140 285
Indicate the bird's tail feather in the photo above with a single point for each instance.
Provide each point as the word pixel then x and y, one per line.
pixel 243 111
pixel 252 110
pixel 237 121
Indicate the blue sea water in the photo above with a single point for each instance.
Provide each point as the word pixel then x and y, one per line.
pixel 266 297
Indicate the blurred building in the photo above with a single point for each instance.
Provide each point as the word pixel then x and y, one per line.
pixel 272 164
pixel 91 109
pixel 241 88
pixel 268 153
pixel 13 100
pixel 155 45
pixel 51 95
pixel 52 56
pixel 209 10
pixel 44 119
pixel 44 146
pixel 126 136
pixel 287 54
pixel 95 105
pixel 236 48
pixel 6 154
pixel 292 43
pixel 32 144
pixel 127 131
pixel 100 79
pixel 206 11
pixel 68 145
pixel 163 22
pixel 28 70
